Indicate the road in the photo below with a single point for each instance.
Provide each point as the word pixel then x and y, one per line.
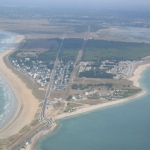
pixel 74 72
pixel 42 114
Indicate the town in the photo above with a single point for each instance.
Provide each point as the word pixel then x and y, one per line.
pixel 112 94
pixel 121 69
pixel 40 71
pixel 62 75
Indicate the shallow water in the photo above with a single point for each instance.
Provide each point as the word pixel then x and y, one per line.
pixel 121 127
pixel 8 101
pixel 130 34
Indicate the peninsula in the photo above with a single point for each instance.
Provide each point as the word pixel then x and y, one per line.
pixel 58 71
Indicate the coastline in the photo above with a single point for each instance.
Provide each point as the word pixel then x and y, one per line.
pixel 2 55
pixel 25 100
pixel 137 74
pixel 24 114
pixel 135 79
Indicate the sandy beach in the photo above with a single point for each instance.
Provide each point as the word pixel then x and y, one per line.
pixel 90 108
pixel 27 103
pixel 137 74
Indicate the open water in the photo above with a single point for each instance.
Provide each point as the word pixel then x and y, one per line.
pixel 8 101
pixel 121 127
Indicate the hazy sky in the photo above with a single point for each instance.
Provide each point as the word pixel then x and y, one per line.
pixel 76 3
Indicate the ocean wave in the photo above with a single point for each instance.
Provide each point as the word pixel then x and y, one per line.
pixel 8 96
pixel 6 40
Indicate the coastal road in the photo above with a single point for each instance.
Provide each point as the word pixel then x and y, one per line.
pixel 42 114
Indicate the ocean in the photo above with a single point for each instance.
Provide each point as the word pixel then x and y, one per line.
pixel 8 102
pixel 123 126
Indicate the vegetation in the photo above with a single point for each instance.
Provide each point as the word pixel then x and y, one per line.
pixel 69 98
pixel 79 86
pixel 95 28
pixel 80 28
pixel 70 49
pixel 52 46
pixel 87 86
pixel 113 50
pixel 25 129
pixel 33 86
pixel 95 73
pixel 74 86
pixel 71 106
pixel 7 141
pixel 47 56
pixel 131 92
pixel 14 55
pixel 34 122
pixel 52 52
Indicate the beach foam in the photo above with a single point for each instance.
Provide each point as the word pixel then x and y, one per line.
pixel 6 41
pixel 8 101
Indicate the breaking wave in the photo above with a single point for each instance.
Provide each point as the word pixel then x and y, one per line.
pixel 8 101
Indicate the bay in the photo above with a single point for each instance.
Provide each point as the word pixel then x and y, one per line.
pixel 121 127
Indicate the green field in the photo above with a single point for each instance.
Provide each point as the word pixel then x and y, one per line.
pixel 52 52
pixel 50 49
pixel 95 73
pixel 70 49
pixel 48 55
pixel 80 28
pixel 113 50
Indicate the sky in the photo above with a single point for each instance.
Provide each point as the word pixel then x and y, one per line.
pixel 77 3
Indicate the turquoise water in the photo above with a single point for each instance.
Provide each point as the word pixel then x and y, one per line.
pixel 121 127
pixel 8 101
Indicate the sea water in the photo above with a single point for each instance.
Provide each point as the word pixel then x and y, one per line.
pixel 8 101
pixel 124 126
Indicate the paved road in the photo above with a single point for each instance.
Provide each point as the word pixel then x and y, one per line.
pixel 42 114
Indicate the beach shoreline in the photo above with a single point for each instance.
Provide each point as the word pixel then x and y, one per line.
pixel 135 79
pixel 2 55
pixel 25 100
